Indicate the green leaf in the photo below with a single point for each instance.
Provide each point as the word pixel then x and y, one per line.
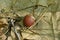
pixel 54 6
pixel 21 4
pixel 43 2
pixel 50 2
pixel 5 4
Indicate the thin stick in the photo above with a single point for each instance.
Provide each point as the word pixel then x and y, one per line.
pixel 40 17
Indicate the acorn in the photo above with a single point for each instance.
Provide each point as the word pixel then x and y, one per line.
pixel 28 20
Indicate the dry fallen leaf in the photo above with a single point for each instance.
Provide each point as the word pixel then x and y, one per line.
pixel 3 37
pixel 3 22
pixel 1 32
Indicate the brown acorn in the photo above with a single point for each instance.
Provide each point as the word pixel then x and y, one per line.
pixel 28 20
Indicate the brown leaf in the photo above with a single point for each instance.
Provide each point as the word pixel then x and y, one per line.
pixel 3 22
